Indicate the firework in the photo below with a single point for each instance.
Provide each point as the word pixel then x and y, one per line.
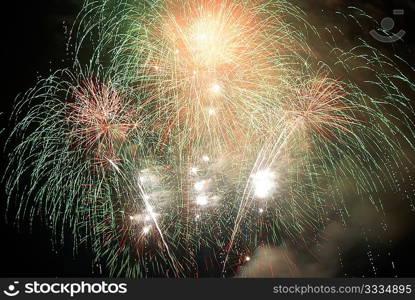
pixel 99 119
pixel 216 129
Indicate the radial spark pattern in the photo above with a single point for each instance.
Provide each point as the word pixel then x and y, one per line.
pixel 204 129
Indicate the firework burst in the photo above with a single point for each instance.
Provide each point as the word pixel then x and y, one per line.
pixel 99 119
pixel 219 128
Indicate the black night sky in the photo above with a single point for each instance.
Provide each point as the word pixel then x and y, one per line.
pixel 34 40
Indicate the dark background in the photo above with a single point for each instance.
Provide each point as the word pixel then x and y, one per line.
pixel 34 40
pixel 33 43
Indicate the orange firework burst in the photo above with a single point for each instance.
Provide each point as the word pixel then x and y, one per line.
pixel 100 119
pixel 320 105
pixel 208 65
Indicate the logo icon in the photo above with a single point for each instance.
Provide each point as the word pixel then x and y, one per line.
pixel 12 291
pixel 387 25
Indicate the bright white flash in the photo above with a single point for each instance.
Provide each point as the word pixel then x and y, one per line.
pixel 199 186
pixel 264 183
pixel 202 200
pixel 216 88
pixel 211 112
pixel 146 229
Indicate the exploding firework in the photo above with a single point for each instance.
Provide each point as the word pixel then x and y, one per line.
pixel 99 119
pixel 204 127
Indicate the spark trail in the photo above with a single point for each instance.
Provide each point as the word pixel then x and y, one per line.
pixel 245 125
